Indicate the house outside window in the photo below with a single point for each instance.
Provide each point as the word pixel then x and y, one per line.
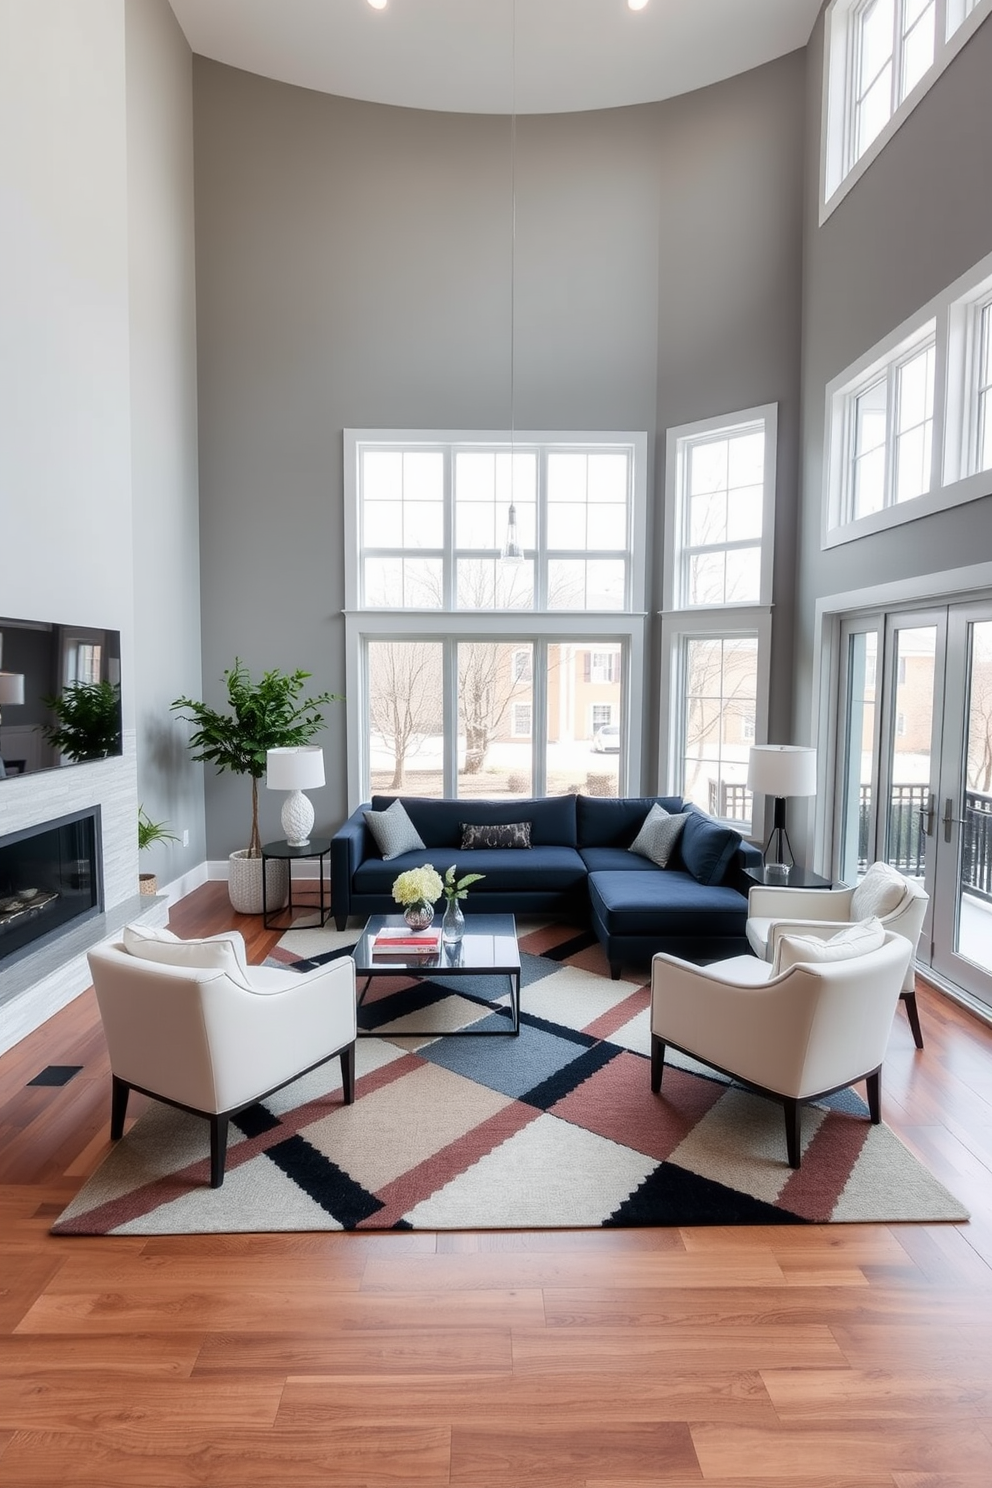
pixel 471 673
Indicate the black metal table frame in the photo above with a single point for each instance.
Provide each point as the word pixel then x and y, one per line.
pixel 421 971
pixel 317 847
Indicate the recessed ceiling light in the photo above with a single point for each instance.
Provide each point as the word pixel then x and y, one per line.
pixel 631 4
pixel 381 4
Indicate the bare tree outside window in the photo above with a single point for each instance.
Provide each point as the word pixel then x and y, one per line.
pixel 405 706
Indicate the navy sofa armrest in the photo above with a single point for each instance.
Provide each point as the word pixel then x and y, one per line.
pixel 348 849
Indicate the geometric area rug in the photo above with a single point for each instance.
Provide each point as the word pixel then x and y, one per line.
pixel 555 1129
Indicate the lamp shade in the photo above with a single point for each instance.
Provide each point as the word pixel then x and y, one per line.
pixel 11 688
pixel 782 770
pixel 294 769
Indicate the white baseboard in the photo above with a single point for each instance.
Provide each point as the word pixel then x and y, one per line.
pixel 185 883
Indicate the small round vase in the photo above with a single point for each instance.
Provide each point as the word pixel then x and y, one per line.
pixel 453 923
pixel 418 916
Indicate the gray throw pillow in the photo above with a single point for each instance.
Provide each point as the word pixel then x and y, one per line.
pixel 393 831
pixel 659 833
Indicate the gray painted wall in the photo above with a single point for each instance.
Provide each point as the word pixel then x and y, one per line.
pixel 918 218
pixel 355 268
pixel 165 515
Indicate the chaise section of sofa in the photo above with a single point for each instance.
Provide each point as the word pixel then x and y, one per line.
pixel 579 867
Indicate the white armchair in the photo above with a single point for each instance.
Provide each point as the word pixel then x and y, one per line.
pixel 191 1024
pixel 900 903
pixel 796 1035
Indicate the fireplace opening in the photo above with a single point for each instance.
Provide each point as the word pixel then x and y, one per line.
pixel 50 877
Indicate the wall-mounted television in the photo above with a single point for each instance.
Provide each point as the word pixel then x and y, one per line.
pixel 60 690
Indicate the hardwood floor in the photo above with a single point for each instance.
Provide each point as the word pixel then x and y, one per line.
pixel 815 1357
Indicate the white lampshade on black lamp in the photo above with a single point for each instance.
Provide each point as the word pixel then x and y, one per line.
pixel 781 771
pixel 295 770
pixel 11 690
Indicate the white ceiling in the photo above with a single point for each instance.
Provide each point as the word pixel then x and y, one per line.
pixel 497 56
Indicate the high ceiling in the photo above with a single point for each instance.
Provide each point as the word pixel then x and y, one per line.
pixel 497 56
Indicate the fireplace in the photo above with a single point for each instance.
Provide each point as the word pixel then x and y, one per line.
pixel 51 877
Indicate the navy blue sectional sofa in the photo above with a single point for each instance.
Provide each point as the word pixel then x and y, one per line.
pixel 578 867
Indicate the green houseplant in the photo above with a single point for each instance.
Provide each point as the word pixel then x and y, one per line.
pixel 261 715
pixel 89 720
pixel 149 832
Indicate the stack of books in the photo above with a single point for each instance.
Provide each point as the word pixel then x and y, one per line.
pixel 405 944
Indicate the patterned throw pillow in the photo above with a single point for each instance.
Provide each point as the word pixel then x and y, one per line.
pixel 507 834
pixel 659 833
pixel 393 831
pixel 878 893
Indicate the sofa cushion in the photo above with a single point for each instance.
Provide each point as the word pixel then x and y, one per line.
pixel 614 821
pixel 706 847
pixel 439 822
pixel 543 868
pixel 657 838
pixel 878 893
pixel 510 834
pixel 613 860
pixel 665 903
pixel 393 831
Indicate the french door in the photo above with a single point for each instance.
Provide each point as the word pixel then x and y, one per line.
pixel 915 772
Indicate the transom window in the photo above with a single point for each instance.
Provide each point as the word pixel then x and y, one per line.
pixel 435 523
pixel 891 432
pixel 495 595
pixel 881 56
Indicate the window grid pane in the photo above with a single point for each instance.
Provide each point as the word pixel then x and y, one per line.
pixel 918 41
pixel 915 385
pixel 722 479
pixel 720 701
pixel 984 390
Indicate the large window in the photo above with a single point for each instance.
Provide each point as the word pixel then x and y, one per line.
pixel 719 523
pixel 881 56
pixel 519 572
pixel 910 424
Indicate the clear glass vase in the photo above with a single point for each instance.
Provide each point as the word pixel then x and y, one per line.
pixel 420 915
pixel 453 924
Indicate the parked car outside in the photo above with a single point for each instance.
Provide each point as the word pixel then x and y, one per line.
pixel 606 740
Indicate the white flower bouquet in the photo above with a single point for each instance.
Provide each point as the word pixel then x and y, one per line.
pixel 418 886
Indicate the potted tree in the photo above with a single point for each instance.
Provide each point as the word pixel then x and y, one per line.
pixel 149 832
pixel 263 715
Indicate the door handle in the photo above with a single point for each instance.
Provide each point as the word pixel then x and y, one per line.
pixel 950 818
pixel 927 814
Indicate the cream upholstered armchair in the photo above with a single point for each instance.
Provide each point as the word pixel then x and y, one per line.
pixel 192 1024
pixel 795 1031
pixel 900 903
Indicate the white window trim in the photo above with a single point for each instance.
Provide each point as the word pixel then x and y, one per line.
pixel 628 627
pixel 433 439
pixel 835 111
pixel 675 513
pixel 954 480
pixel 678 626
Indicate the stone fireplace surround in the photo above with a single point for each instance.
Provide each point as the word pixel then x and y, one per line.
pixel 36 985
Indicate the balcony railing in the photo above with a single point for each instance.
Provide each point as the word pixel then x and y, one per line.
pixel 907 841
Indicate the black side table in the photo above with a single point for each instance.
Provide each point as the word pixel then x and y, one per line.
pixel 317 847
pixel 799 878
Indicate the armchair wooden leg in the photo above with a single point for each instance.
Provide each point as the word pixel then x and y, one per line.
pixel 873 1083
pixel 119 1092
pixel 348 1074
pixel 657 1062
pixel 792 1129
pixel 218 1149
pixel 913 1014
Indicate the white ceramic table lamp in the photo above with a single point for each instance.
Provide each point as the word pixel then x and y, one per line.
pixel 781 770
pixel 295 770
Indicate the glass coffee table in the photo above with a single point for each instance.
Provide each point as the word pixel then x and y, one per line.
pixel 488 948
